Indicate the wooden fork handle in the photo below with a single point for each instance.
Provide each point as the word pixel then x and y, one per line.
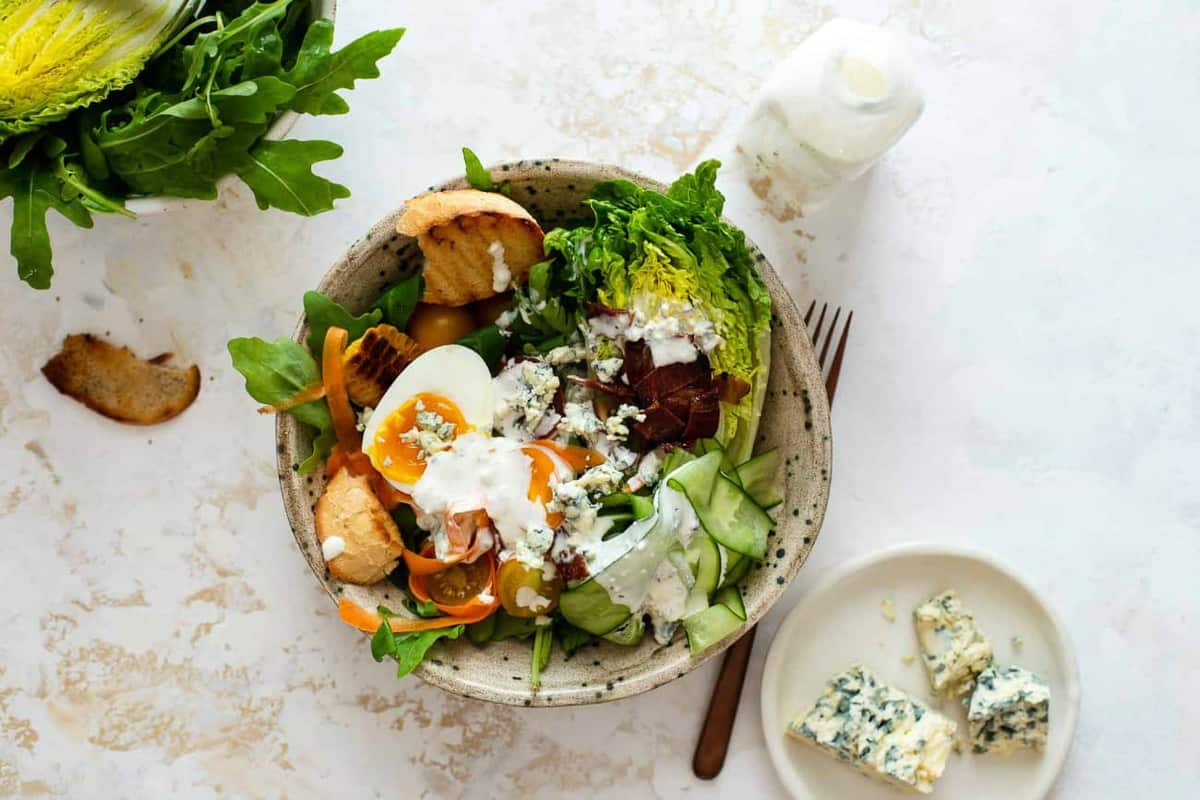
pixel 723 708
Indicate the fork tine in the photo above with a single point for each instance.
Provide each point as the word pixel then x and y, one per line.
pixel 808 314
pixel 835 368
pixel 829 337
pixel 816 332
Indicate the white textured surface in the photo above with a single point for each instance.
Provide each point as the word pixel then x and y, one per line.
pixel 1021 378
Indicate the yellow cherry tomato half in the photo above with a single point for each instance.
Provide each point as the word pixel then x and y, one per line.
pixel 524 591
pixel 488 311
pixel 433 326
pixel 460 583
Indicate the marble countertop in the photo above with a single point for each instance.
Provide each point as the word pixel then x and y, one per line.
pixel 1021 378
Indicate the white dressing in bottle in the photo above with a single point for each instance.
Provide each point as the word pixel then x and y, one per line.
pixel 830 110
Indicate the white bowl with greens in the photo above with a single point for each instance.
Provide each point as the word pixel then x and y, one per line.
pixel 139 104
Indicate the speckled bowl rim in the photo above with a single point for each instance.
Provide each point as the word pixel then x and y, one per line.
pixel 634 683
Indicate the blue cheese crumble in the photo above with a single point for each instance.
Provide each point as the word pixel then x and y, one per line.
pixel 879 730
pixel 953 648
pixel 524 399
pixel 431 433
pixel 617 424
pixel 1009 710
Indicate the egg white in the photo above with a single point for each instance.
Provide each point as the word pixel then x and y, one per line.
pixel 452 371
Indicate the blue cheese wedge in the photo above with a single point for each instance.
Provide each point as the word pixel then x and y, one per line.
pixel 879 730
pixel 1009 710
pixel 953 647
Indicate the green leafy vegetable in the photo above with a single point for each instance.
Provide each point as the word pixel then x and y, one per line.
pixel 653 248
pixel 398 301
pixel 481 632
pixel 570 638
pixel 196 113
pixel 422 608
pixel 543 640
pixel 60 56
pixel 477 175
pixel 488 342
pixel 274 373
pixel 406 649
pixel 323 314
pixel 281 176
pixel 319 73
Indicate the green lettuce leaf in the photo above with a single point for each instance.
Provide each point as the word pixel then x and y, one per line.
pixel 406 649
pixel 488 343
pixel 35 189
pixel 274 373
pixel 477 174
pixel 323 313
pixel 398 300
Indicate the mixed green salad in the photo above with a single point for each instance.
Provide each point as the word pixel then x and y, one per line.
pixel 106 100
pixel 565 461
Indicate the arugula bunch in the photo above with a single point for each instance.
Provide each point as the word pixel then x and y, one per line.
pixel 197 113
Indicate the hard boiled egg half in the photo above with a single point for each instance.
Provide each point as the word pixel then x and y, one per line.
pixel 451 381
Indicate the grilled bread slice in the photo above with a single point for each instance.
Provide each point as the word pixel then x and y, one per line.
pixel 114 382
pixel 373 361
pixel 370 541
pixel 476 244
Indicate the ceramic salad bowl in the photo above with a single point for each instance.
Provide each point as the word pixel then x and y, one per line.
pixel 795 419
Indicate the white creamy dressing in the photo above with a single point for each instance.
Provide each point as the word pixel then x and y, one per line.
pixel 628 566
pixel 530 599
pixel 501 274
pixel 485 473
pixel 333 547
pixel 676 333
pixel 830 110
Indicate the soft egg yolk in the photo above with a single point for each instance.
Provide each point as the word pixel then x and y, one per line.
pixel 546 456
pixel 400 460
pixel 542 469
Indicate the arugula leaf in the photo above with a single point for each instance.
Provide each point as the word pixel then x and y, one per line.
pixel 281 176
pixel 510 627
pixel 488 342
pixel 318 73
pixel 398 301
pixel 275 372
pixel 481 632
pixel 477 176
pixel 196 113
pixel 323 314
pixel 570 638
pixel 406 649
pixel 423 608
pixel 35 189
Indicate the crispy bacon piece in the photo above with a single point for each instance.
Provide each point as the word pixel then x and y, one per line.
pixel 660 425
pixel 730 388
pixel 638 362
pixel 704 417
pixel 571 565
pixel 665 381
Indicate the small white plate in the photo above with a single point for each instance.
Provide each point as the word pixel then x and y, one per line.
pixel 839 623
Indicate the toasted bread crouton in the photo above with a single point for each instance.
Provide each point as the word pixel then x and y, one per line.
pixel 370 542
pixel 476 244
pixel 114 382
pixel 373 361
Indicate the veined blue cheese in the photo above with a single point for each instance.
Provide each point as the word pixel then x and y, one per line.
pixel 953 647
pixel 524 399
pixel 879 730
pixel 1009 710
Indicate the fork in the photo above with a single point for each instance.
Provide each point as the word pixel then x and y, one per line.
pixel 723 706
